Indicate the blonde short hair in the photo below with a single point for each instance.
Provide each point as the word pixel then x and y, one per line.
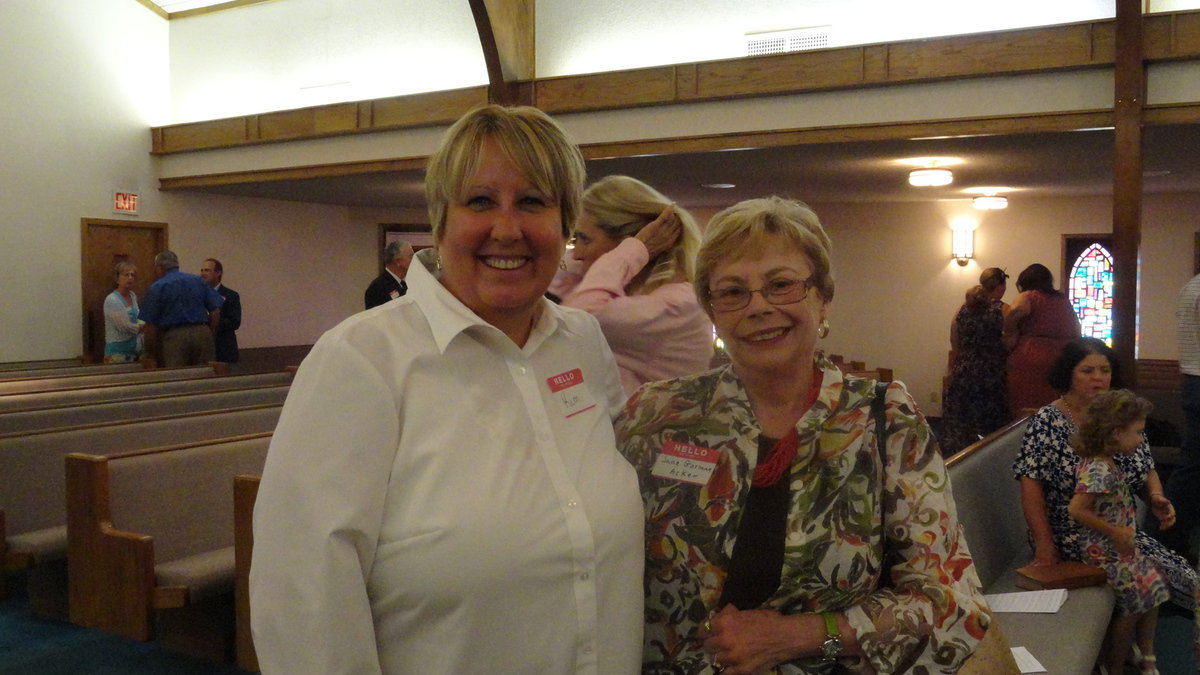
pixel 622 206
pixel 750 225
pixel 527 136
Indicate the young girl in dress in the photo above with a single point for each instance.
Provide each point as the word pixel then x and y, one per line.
pixel 1113 422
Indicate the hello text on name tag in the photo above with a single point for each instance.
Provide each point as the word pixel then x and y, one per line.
pixel 686 463
pixel 568 390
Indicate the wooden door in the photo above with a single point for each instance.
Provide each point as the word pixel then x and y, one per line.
pixel 105 243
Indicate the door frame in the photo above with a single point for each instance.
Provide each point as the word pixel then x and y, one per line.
pixel 88 249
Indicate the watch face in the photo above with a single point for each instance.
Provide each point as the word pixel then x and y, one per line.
pixel 831 648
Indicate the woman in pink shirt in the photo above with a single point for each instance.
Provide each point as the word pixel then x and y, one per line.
pixel 637 252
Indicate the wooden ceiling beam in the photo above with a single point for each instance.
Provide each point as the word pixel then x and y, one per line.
pixel 506 32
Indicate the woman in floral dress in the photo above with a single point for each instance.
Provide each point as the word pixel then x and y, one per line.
pixel 977 397
pixel 779 537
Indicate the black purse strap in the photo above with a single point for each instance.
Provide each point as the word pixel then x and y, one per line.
pixel 881 431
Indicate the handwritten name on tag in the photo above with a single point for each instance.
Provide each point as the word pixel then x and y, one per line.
pixel 573 398
pixel 686 463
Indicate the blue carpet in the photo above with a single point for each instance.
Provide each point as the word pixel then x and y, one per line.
pixel 1173 642
pixel 34 646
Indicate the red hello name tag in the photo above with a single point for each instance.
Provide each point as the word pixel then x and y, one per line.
pixel 686 463
pixel 570 393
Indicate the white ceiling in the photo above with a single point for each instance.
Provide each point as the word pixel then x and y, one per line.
pixel 1044 165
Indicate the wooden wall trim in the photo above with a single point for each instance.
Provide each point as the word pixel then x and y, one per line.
pixel 293 173
pixel 335 119
pixel 1063 121
pixel 1169 37
pixel 1008 124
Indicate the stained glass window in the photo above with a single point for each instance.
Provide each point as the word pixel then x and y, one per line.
pixel 1091 292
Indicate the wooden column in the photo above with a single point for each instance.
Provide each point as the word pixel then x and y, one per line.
pixel 1129 98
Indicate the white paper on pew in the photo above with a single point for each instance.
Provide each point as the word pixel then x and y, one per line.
pixel 1040 602
pixel 1026 662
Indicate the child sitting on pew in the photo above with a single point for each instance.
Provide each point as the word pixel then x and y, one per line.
pixel 1113 422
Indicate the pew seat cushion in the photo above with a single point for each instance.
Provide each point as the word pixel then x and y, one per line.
pixel 44 545
pixel 1084 617
pixel 205 575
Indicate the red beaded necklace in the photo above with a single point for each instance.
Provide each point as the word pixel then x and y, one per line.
pixel 769 471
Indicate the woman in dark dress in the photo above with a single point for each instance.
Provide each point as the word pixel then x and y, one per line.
pixel 976 399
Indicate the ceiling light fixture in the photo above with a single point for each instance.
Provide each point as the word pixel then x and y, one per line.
pixel 718 186
pixel 990 202
pixel 930 177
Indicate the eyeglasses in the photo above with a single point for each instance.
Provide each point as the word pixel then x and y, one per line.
pixel 776 292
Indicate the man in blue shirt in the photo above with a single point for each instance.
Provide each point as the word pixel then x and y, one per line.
pixel 182 313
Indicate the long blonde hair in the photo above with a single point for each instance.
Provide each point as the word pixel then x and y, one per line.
pixel 622 206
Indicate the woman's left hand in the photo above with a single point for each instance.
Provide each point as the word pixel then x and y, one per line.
pixel 1163 510
pixel 749 642
pixel 661 233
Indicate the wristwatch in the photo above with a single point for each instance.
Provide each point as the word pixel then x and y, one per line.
pixel 832 647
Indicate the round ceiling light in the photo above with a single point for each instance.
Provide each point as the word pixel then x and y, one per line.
pixel 990 202
pixel 930 177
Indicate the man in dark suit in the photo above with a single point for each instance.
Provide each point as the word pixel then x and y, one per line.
pixel 397 256
pixel 231 311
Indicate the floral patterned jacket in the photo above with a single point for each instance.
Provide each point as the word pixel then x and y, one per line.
pixel 928 614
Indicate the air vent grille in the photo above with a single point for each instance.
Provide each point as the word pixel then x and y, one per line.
pixel 783 41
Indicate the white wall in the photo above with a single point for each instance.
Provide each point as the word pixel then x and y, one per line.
pixel 300 268
pixel 897 288
pixel 282 55
pixel 77 90
pixel 701 30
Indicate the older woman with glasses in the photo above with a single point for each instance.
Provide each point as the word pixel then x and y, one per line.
pixel 779 534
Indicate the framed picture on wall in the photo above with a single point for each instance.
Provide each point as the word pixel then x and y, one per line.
pixel 418 235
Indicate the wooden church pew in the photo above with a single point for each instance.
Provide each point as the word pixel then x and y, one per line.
pixel 138 390
pixel 32 494
pixel 245 493
pixel 151 538
pixel 77 369
pixel 61 382
pixel 26 421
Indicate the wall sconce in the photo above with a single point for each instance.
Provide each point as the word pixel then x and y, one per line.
pixel 962 245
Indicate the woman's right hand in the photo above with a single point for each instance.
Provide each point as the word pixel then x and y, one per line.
pixel 662 233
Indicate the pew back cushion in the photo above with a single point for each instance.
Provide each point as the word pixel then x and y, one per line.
pixel 184 500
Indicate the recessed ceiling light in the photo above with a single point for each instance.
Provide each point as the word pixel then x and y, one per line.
pixel 718 186
pixel 990 202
